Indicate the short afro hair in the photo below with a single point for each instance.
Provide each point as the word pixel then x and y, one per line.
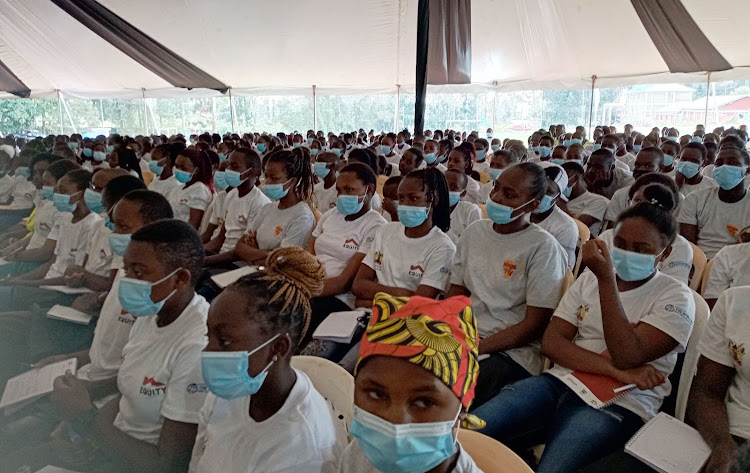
pixel 177 245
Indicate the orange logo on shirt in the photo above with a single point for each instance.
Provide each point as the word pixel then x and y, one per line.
pixel 732 230
pixel 738 352
pixel 278 231
pixel 582 312
pixel 508 268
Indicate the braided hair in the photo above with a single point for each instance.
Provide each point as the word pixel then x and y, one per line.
pixel 282 292
pixel 296 165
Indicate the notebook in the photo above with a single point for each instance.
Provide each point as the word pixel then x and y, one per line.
pixel 34 383
pixel 69 290
pixel 69 314
pixel 596 390
pixel 225 279
pixel 339 327
pixel 669 446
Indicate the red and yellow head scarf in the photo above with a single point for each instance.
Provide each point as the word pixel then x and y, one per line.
pixel 439 336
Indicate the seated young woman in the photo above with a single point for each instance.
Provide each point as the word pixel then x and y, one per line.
pixel 193 171
pixel 514 273
pixel 623 320
pixel 409 398
pixel 152 426
pixel 257 398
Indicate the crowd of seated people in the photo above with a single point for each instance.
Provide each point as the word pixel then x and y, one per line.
pixel 484 270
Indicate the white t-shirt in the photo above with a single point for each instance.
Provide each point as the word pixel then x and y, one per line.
pixel 160 376
pixel 110 337
pixel 618 204
pixel 725 341
pixel 591 204
pixel 662 302
pixel 718 222
pixel 237 212
pixel 622 178
pixel 504 274
pixel 463 215
pixel 730 268
pixel 355 461
pixel 45 219
pixel 472 191
pixel 216 210
pixel 23 194
pixel 400 261
pixel 337 240
pixel 706 183
pixel 678 264
pixel 324 199
pixel 303 436
pixel 73 240
pixel 7 183
pixel 288 227
pixel 198 196
pixel 166 186
pixel 99 261
pixel 562 226
pixel 484 192
pixel 628 159
pixel 481 167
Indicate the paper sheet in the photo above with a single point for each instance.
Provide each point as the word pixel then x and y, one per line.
pixel 69 290
pixel 35 382
pixel 69 314
pixel 339 326
pixel 54 469
pixel 225 279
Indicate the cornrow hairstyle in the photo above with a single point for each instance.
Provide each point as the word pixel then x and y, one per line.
pixel 539 179
pixel 660 218
pixel 282 292
pixel 177 245
pixel 467 150
pixel 303 153
pixel 435 185
pixel 295 166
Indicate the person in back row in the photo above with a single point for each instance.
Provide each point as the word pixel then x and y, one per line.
pixel 648 160
pixel 326 168
pixel 192 169
pixel 161 164
pixel 514 273
pixel 462 158
pixel 500 160
pixel 583 205
pixel 602 176
pixel 463 213
pixel 623 320
pixel 689 175
pixel 549 216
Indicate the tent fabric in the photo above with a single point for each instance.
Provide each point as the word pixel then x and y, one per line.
pixel 449 58
pixel 9 82
pixel 355 46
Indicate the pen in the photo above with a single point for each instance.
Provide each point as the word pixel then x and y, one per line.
pixel 624 388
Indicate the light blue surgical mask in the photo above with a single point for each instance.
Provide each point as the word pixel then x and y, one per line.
pixel 296 144
pixel 220 180
pixel 576 141
pixel 637 148
pixel 385 149
pixel 430 158
pixel 233 178
pixel 314 151
pixel 668 160
pixel 545 204
pixel 412 216
pixel 100 156
pixel 182 176
pixel 671 138
pixel 309 141
pixel 93 201
pixel 110 148
pixel 154 167
pixel 62 202
pixel 109 223
pixel 729 177
pixel 403 448
pixel 611 150
pixel 545 151
pixel 481 154
pixel 453 198
pixel 495 147
pixel 494 173
pixel 48 192
pixel 688 169
pixel 119 242
pixel 225 372
pixel 24 171
pixel 222 156
pixel 88 152
pixel 696 139
pixel 502 214
pixel 632 266
pixel 349 146
pixel 350 204
pixel 135 296
pixel 321 170
pixel 73 145
pixel 260 147
pixel 566 143
pixel 276 191
pixel 597 146
pixel 567 191
pixel 336 151
pixel 579 161
pixel 559 162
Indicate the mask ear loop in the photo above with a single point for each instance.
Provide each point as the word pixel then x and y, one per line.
pixel 458 427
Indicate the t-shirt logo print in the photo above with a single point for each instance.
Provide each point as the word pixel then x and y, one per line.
pixel 416 270
pixel 378 259
pixel 278 230
pixel 152 387
pixel 732 230
pixel 152 382
pixel 351 244
pixel 508 268
pixel 738 352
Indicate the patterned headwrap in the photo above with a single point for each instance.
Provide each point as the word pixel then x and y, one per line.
pixel 439 336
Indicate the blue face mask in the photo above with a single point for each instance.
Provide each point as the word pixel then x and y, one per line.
pixel 632 266
pixel 668 160
pixel 696 139
pixel 222 156
pixel 728 177
pixel 309 141
pixel 296 144
pixel 501 214
pixel 260 147
pixel 494 173
pixel 348 146
pixel 154 167
pixel 276 191
pixel 350 204
pixel 314 151
pixel 671 138
pixel 24 171
pixel 182 176
pixel 579 161
pixel 110 148
pixel 93 201
pixel 135 296
pixel 233 178
pixel 48 192
pixel 495 147
pixel 119 242
pixel 567 191
pixel 576 141
pixel 336 151
pixel 62 202
pixel 566 143
pixel 386 150
pixel 321 170
pixel 688 169
pixel 559 162
pixel 109 223
pixel 99 156
pixel 545 204
pixel 611 150
pixel 430 158
pixel 403 448
pixel 220 180
pixel 88 152
pixel 544 151
pixel 597 146
pixel 637 148
pixel 73 145
pixel 453 198
pixel 412 216
pixel 225 372
pixel 481 154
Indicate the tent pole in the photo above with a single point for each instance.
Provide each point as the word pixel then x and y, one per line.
pixel 708 94
pixel 591 105
pixel 145 112
pixel 315 108
pixel 231 109
pixel 398 105
pixel 423 46
pixel 59 111
pixel 494 104
pixel 70 117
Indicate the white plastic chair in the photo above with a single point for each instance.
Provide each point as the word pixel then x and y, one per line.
pixel 690 363
pixel 333 382
pixel 490 455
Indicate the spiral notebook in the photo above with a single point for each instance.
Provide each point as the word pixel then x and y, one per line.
pixel 596 390
pixel 669 446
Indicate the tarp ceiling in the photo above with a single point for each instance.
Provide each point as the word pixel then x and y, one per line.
pixel 267 47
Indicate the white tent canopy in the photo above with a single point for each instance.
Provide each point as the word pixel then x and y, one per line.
pixel 354 46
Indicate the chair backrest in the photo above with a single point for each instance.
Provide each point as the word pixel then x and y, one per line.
pixel 699 267
pixel 490 455
pixel 584 234
pixel 690 363
pixel 380 185
pixel 706 275
pixel 333 382
pixel 568 281
pixel 483 208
